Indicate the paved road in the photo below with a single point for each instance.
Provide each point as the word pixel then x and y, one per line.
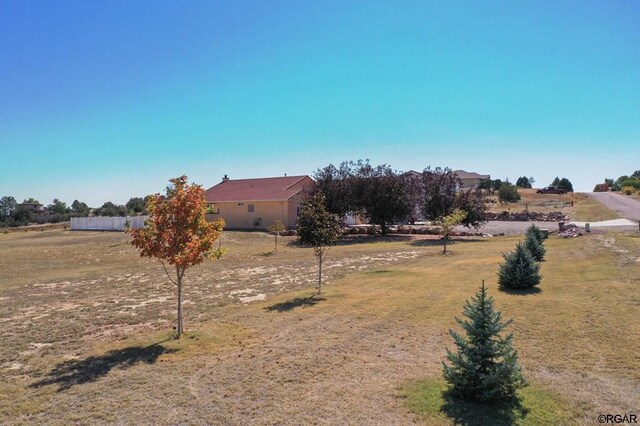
pixel 626 207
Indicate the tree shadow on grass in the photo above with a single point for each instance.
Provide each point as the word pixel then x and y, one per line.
pixel 294 303
pixel 353 239
pixel 523 292
pixel 470 413
pixel 439 242
pixel 76 372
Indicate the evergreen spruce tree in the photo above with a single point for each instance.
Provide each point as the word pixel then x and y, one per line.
pixel 520 270
pixel 485 366
pixel 535 247
pixel 537 232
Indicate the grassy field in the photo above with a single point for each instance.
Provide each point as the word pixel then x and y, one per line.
pixel 86 326
pixel 584 207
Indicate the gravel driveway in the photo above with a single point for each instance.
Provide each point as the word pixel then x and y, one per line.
pixel 624 206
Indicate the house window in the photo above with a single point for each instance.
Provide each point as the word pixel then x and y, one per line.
pixel 251 208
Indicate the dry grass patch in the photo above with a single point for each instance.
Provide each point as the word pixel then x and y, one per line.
pixel 584 207
pixel 345 357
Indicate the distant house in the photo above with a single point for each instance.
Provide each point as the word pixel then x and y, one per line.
pixel 470 180
pixel 35 208
pixel 257 203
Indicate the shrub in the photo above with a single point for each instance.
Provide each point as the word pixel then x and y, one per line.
pixel 22 217
pixel 601 187
pixel 485 366
pixel 508 193
pixel 628 190
pixel 634 183
pixel 520 271
pixel 535 247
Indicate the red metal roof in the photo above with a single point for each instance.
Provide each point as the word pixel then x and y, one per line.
pixel 261 189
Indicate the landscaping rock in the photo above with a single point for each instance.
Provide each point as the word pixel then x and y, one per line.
pixel 404 229
pixel 526 215
pixel 569 231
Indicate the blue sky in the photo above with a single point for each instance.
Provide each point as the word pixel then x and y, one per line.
pixel 108 100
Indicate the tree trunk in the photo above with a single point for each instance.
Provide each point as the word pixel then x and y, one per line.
pixel 320 273
pixel 179 329
pixel 383 228
pixel 276 243
pixel 445 245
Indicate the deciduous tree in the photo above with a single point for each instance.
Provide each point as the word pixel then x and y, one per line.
pixel 136 205
pixel 58 207
pixel 441 187
pixel 443 194
pixel 378 193
pixel 22 216
pixel 7 206
pixel 339 187
pixel 79 208
pixel 471 201
pixel 448 223
pixel 178 234
pixel 383 195
pixel 110 209
pixel 276 228
pixel 318 228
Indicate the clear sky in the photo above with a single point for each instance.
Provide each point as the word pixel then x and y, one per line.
pixel 108 100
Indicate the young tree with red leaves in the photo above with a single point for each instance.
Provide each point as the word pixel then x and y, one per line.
pixel 177 233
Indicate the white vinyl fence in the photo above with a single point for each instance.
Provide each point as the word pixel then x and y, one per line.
pixel 106 223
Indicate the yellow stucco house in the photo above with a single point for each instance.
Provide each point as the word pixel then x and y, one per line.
pixel 470 180
pixel 257 203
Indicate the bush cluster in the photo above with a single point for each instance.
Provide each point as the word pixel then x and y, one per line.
pixel 508 193
pixel 624 183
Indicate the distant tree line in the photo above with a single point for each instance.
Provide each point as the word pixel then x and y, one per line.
pixel 626 183
pixel 385 196
pixel 508 193
pixel 562 183
pixel 14 214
